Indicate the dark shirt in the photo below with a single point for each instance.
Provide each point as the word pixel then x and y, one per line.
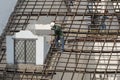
pixel 57 29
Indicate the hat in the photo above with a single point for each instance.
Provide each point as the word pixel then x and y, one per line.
pixel 52 24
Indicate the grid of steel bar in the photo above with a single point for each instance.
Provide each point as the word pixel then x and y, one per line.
pixel 90 53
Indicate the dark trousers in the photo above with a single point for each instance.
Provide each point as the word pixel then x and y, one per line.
pixel 61 38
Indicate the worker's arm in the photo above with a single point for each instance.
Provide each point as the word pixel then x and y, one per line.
pixel 52 34
pixel 108 18
pixel 53 28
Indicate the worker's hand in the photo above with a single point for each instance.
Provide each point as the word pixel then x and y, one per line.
pixel 50 42
pixel 51 34
pixel 110 18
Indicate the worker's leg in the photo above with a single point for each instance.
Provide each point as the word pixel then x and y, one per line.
pixel 62 43
pixel 89 28
pixel 103 28
pixel 56 41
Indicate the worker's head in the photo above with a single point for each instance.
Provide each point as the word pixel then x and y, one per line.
pixel 52 24
pixel 106 11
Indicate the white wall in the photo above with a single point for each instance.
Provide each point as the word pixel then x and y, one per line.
pixel 6 7
pixel 42 46
pixel 10 50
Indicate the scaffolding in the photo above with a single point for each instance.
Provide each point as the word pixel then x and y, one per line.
pixel 90 53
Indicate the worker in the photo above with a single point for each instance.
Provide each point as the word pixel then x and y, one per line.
pixel 58 35
pixel 104 17
pixel 70 2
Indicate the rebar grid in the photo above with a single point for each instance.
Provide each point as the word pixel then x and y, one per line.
pixel 88 55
